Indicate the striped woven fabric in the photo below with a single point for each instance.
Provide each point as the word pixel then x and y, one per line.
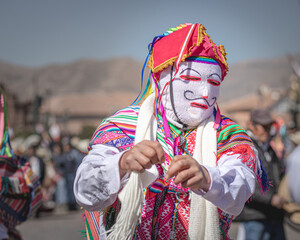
pixel 119 131
pixel 123 121
pixel 20 191
pixel 92 225
pixel 232 139
pixel 230 134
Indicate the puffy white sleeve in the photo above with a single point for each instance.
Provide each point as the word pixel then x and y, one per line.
pixel 97 180
pixel 232 184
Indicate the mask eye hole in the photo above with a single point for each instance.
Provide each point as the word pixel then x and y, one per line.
pixel 190 78
pixel 213 82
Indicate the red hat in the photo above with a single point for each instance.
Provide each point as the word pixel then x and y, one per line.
pixel 182 42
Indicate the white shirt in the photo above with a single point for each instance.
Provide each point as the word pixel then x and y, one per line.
pixel 98 182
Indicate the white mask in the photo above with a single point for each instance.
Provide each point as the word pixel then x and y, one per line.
pixel 195 92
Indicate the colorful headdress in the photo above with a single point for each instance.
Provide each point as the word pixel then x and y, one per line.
pixel 176 45
pixel 182 42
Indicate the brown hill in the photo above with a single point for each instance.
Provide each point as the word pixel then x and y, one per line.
pixel 82 76
pixel 246 77
pixel 85 91
pixel 115 75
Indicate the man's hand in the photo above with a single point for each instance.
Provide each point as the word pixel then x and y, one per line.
pixel 189 173
pixel 141 156
pixel 278 201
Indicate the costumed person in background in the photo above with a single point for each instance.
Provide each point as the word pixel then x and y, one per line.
pixel 173 167
pixel 20 190
pixel 262 217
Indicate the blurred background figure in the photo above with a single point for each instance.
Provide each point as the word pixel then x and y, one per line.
pixel 290 186
pixel 55 132
pixel 280 141
pixel 37 164
pixel 58 160
pixel 45 172
pixel 70 162
pixel 294 99
pixel 46 140
pixel 293 171
pixel 262 216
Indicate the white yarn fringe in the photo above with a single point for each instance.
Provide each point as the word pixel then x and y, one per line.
pixel 204 218
pixel 132 196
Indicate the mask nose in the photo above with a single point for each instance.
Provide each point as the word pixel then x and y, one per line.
pixel 205 91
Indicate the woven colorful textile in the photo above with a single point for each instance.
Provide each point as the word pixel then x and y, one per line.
pixel 92 224
pixel 166 206
pixel 20 191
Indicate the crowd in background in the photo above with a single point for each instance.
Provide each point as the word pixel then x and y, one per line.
pixel 264 214
pixel 54 157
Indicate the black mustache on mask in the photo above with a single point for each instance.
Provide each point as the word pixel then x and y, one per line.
pixel 189 93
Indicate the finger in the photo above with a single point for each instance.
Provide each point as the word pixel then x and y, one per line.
pixel 199 181
pixel 136 167
pixel 176 167
pixel 193 183
pixel 184 176
pixel 143 160
pixel 152 150
pixel 132 165
pixel 150 153
pixel 159 152
pixel 130 159
pixel 185 158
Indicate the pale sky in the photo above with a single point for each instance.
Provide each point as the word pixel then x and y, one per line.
pixel 39 32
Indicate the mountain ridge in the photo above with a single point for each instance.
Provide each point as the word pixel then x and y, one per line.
pixel 124 74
